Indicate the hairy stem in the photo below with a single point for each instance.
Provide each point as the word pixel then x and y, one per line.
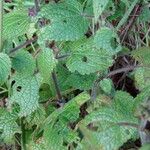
pixel 1 24
pixel 37 7
pixel 22 45
pixel 54 77
pixel 23 146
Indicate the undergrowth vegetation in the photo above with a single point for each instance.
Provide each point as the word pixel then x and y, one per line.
pixel 74 74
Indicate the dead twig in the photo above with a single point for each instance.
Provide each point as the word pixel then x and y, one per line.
pixel 132 19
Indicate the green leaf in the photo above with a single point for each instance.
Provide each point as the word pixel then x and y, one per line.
pixel 106 85
pixel 101 100
pixel 5 67
pixel 142 97
pixel 105 39
pixel 66 21
pixel 143 108
pixel 98 7
pixel 88 7
pixel 37 117
pixel 139 78
pixel 56 136
pixel 126 2
pixel 142 77
pixel 67 110
pixel 57 129
pixel 112 125
pixel 86 59
pixel 25 93
pixel 82 82
pixel 144 15
pixel 8 125
pixel 23 62
pixel 46 63
pixel 142 55
pixel 63 74
pixel 45 92
pixel 67 80
pixel 39 145
pixel 142 74
pixel 16 23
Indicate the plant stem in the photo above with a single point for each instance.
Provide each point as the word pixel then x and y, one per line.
pixel 134 125
pixel 126 69
pixel 37 7
pixel 22 45
pixel 1 24
pixel 54 77
pixel 3 91
pixel 23 146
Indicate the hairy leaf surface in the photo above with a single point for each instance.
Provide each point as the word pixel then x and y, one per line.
pixel 86 59
pixel 105 39
pixel 23 62
pixel 142 55
pixel 16 23
pixel 26 93
pixel 66 21
pixel 57 128
pixel 75 80
pixel 98 7
pixel 142 74
pixel 106 85
pixel 113 124
pixel 5 67
pixel 8 125
pixel 46 63
pixel 82 82
pixel 37 117
pixel 38 145
pixel 142 78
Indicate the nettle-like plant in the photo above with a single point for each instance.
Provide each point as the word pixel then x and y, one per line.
pixel 59 67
